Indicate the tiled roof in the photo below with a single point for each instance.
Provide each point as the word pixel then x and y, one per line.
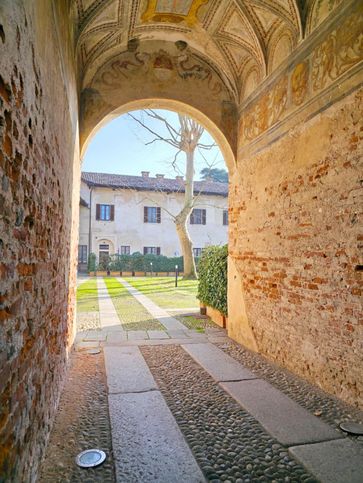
pixel 143 183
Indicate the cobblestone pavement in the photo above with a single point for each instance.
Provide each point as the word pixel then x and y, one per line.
pixel 88 321
pixel 228 444
pixel 330 409
pixel 82 423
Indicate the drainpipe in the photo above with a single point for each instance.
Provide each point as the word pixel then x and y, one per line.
pixel 90 223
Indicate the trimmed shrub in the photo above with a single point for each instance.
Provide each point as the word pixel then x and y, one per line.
pixel 91 266
pixel 212 274
pixel 137 262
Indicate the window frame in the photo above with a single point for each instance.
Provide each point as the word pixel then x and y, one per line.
pixel 81 250
pixel 225 220
pixel 201 219
pixel 153 249
pixel 156 218
pixel 101 212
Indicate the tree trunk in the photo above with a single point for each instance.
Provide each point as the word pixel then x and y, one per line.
pixel 190 270
pixel 181 220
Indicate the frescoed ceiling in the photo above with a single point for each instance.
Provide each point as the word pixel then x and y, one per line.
pixel 244 40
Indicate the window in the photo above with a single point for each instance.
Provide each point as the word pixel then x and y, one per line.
pixel 82 253
pixel 225 217
pixel 152 250
pixel 197 252
pixel 125 250
pixel 198 217
pixel 105 212
pixel 104 247
pixel 152 214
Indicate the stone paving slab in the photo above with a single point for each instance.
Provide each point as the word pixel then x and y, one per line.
pixel 127 371
pixel 218 364
pixel 137 335
pixel 157 334
pixel 131 343
pixel 116 336
pixel 170 323
pixel 147 443
pixel 283 418
pixel 94 335
pixel 339 461
pixel 108 314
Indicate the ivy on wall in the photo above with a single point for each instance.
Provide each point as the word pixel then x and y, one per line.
pixel 212 274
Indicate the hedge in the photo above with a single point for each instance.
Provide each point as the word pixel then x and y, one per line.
pixel 212 274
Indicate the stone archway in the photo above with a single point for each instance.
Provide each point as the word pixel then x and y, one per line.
pixel 238 325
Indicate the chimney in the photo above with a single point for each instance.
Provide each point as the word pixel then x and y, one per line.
pixel 179 178
pixel 159 176
pixel 145 174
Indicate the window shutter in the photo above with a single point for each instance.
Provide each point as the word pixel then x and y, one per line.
pixel 145 250
pixel 98 212
pixel 158 215
pixel 112 212
pixel 192 217
pixel 145 215
pixel 158 250
pixel 204 217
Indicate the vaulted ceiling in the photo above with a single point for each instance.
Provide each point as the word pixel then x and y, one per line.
pixel 244 40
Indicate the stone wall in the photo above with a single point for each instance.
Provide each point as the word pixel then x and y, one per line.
pixel 296 240
pixel 38 178
pixel 295 203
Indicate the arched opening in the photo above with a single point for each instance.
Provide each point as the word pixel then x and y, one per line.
pixel 126 239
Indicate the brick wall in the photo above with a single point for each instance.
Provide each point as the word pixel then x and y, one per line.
pixel 37 241
pixel 296 238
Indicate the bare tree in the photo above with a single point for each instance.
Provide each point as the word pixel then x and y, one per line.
pixel 185 139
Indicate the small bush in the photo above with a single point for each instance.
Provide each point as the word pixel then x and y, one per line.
pixel 212 274
pixel 91 266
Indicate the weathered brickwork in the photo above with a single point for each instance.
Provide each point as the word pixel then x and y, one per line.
pixel 36 171
pixel 296 237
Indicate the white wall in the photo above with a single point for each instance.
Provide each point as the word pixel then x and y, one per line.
pixel 128 227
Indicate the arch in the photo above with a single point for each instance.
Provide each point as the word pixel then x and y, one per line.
pixel 171 105
pixel 158 74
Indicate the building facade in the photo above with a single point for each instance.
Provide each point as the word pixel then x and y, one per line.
pixel 127 214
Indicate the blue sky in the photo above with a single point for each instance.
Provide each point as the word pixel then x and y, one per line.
pixel 119 147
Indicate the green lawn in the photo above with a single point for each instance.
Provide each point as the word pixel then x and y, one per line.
pixel 87 296
pixel 196 323
pixel 162 291
pixel 132 314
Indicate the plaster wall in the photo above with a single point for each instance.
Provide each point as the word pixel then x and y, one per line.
pixel 39 182
pixel 129 228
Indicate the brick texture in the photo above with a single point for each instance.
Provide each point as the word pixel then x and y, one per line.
pixel 36 247
pixel 296 237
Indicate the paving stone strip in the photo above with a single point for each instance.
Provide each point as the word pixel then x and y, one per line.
pixel 108 315
pixel 285 420
pixel 329 409
pixel 170 323
pixel 147 443
pixel 228 443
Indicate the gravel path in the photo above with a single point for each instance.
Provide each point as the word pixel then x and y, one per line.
pixel 228 444
pixel 82 422
pixel 330 409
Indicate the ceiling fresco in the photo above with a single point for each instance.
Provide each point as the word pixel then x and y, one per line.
pixel 244 40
